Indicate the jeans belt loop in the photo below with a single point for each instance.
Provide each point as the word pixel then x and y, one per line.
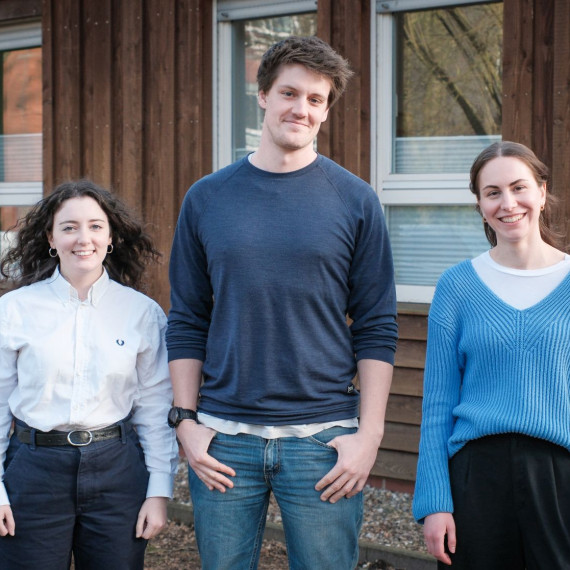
pixel 123 432
pixel 33 439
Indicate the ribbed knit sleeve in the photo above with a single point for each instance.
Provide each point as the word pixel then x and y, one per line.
pixel 442 384
pixel 490 369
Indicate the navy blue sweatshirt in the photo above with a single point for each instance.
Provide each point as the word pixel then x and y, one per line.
pixel 263 271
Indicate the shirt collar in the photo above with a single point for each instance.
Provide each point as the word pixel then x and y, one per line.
pixel 66 292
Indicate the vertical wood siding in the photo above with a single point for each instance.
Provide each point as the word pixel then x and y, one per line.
pixel 536 87
pixel 345 136
pixel 560 114
pixel 127 103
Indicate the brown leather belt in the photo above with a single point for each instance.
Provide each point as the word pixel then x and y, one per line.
pixel 76 437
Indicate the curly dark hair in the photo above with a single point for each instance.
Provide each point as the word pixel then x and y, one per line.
pixel 310 51
pixel 27 260
pixel 542 176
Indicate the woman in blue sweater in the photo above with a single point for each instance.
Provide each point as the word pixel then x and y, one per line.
pixel 493 480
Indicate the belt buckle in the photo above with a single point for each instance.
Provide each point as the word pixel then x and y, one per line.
pixel 79 431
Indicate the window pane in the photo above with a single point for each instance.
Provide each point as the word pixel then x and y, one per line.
pixel 9 216
pixel 448 83
pixel 251 39
pixel 21 138
pixel 427 240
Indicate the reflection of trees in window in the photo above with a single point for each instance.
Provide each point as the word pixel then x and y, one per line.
pixel 450 71
pixel 261 34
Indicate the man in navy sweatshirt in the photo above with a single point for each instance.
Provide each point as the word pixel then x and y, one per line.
pixel 269 257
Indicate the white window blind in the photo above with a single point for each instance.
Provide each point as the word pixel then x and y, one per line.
pixel 427 240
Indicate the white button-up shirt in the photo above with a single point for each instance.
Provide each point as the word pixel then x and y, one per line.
pixel 67 364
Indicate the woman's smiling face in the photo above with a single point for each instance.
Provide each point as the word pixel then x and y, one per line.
pixel 81 235
pixel 511 199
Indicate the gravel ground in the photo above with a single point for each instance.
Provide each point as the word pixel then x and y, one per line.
pixel 387 521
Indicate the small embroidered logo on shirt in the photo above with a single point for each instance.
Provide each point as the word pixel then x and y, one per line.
pixel 120 342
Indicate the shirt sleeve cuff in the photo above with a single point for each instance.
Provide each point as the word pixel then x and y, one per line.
pixel 159 485
pixel 3 495
pixel 383 354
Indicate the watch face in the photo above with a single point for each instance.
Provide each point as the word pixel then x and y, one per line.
pixel 173 419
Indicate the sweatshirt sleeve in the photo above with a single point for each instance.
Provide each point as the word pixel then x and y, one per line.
pixel 442 385
pixel 372 301
pixel 191 291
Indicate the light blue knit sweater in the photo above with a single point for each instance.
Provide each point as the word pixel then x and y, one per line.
pixel 490 369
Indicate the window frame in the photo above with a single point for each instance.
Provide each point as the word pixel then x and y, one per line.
pixel 227 12
pixel 445 189
pixel 20 36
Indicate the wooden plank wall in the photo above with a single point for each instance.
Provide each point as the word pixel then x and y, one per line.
pixel 19 9
pixel 536 93
pixel 128 103
pixel 345 25
pixel 561 110
pixel 397 458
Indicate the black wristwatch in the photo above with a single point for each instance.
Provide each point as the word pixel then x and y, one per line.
pixel 176 415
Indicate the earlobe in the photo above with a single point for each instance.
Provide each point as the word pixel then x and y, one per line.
pixel 261 99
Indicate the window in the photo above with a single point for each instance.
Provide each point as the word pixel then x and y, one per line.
pixel 439 104
pixel 246 29
pixel 21 123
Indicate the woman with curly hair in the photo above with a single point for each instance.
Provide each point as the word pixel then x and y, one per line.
pixel 84 381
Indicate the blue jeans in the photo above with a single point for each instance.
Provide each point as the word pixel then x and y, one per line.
pixel 229 526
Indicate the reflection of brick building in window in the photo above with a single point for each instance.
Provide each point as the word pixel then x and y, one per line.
pixel 21 138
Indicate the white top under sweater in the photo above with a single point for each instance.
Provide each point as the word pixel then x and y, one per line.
pixel 520 288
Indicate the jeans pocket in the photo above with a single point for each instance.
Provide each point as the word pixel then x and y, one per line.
pixel 322 438
pixel 13 454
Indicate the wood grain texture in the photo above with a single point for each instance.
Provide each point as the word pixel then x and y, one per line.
pixel 518 62
pixel 561 112
pixel 20 9
pixel 395 465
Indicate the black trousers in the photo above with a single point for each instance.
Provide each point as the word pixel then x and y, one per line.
pixel 511 498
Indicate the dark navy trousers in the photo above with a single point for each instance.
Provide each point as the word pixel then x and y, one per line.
pixel 511 497
pixel 83 500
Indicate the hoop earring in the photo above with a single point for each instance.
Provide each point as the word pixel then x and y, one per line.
pixel 110 248
pixel 542 208
pixel 52 252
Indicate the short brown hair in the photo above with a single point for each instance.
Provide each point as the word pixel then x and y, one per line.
pixel 314 54
pixel 541 174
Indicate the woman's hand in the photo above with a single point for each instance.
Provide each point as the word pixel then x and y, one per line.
pixel 436 527
pixel 7 524
pixel 152 517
